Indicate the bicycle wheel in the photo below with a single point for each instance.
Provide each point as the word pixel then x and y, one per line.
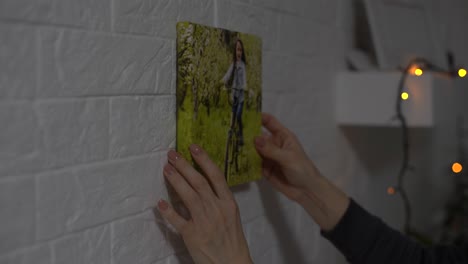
pixel 233 164
pixel 235 150
pixel 231 159
pixel 226 155
pixel 231 142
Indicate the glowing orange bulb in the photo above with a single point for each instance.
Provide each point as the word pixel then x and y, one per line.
pixel 462 73
pixel 404 96
pixel 457 167
pixel 415 70
pixel 391 191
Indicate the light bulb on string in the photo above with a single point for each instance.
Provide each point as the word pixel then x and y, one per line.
pixel 416 70
pixel 404 96
pixel 457 167
pixel 462 73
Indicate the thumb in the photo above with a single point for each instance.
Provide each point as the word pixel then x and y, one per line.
pixel 267 149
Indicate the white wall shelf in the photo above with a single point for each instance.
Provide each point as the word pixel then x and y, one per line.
pixel 369 99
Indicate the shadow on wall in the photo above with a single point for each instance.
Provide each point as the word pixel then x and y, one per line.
pixel 275 214
pixel 380 149
pixel 380 152
pixel 287 242
pixel 174 240
pixel 377 148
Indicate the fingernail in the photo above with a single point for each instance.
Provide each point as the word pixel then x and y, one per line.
pixel 195 149
pixel 168 169
pixel 163 205
pixel 260 142
pixel 173 156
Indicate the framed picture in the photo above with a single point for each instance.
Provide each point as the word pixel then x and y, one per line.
pixel 219 92
pixel 402 30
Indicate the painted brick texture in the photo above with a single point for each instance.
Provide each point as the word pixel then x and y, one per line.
pixel 87 113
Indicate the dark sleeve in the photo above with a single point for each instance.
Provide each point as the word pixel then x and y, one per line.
pixel 365 239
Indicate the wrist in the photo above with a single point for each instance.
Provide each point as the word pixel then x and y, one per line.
pixel 323 201
pixel 239 254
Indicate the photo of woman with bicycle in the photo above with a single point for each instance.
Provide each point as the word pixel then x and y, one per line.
pixel 219 75
pixel 235 79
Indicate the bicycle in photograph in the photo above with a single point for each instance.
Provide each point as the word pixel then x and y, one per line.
pixel 231 157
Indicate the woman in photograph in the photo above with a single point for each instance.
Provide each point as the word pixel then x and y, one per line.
pixel 236 79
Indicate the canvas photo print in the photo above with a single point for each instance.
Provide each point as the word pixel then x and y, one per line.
pixel 219 94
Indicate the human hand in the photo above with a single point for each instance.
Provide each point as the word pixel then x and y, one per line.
pixel 214 232
pixel 285 164
pixel 287 167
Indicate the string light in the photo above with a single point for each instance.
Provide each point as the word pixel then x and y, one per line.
pixel 404 96
pixel 457 167
pixel 415 70
pixel 462 73
pixel 418 72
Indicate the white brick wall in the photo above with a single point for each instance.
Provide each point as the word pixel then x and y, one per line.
pixel 87 113
pixel 87 14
